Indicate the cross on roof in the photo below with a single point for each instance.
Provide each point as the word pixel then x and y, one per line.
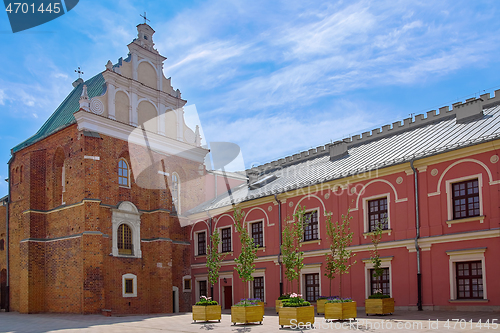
pixel 79 72
pixel 144 17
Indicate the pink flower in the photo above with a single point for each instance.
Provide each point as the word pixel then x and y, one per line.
pixel 295 295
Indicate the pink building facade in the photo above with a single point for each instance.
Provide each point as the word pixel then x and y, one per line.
pixel 433 181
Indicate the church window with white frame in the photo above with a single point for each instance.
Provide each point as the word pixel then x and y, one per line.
pixel 126 223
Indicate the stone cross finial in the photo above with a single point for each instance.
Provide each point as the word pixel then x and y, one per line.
pixel 84 99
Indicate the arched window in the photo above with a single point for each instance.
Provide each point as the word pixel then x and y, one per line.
pixel 175 192
pixel 124 239
pixel 123 173
pixel 21 174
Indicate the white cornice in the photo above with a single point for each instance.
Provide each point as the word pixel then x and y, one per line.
pixel 92 122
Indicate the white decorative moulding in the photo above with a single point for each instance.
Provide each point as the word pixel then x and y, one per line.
pixel 494 159
pixel 434 172
pixel 399 180
pixel 96 106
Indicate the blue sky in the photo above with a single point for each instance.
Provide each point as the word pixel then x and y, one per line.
pixel 275 77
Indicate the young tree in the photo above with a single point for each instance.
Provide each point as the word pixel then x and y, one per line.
pixel 376 237
pixel 244 263
pixel 214 260
pixel 337 261
pixel 292 241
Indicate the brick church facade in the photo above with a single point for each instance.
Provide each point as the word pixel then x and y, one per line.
pixel 95 196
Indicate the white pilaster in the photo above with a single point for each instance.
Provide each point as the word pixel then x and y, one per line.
pixel 111 101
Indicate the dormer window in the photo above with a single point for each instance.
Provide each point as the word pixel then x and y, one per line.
pixel 145 37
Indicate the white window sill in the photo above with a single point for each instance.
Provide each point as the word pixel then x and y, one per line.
pixel 384 231
pixel 468 219
pixel 314 241
pixel 472 300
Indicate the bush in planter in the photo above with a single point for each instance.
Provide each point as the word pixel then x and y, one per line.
pixel 320 303
pixel 247 310
pixel 206 310
pixel 205 301
pixel 296 310
pixel 340 308
pixel 279 301
pixel 283 297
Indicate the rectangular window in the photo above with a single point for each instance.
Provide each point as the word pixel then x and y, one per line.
pixel 465 199
pixel 258 288
pixel 202 243
pixel 312 287
pixel 377 214
pixel 380 283
pixel 311 226
pixel 187 284
pixel 129 286
pixel 203 288
pixel 226 239
pixel 257 234
pixel 469 277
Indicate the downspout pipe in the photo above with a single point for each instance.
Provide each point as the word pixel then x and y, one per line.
pixel 417 236
pixel 210 245
pixel 7 266
pixel 281 241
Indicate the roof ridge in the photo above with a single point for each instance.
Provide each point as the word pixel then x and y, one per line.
pixel 462 111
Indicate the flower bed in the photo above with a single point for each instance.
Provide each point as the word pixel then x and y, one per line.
pixel 247 311
pixel 206 310
pixel 296 311
pixel 340 308
pixel 379 304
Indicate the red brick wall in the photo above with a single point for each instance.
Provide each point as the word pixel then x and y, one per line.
pixel 61 254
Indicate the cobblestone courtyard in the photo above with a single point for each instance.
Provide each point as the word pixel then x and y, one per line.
pixel 410 321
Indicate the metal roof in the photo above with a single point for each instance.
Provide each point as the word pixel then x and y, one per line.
pixel 63 115
pixel 435 137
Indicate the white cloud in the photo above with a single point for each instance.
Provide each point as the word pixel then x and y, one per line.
pixel 2 97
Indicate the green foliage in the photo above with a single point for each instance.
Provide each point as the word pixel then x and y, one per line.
pixel 291 242
pixel 282 297
pixel 378 295
pixel 295 301
pixel 337 260
pixel 248 302
pixel 214 258
pixel 245 261
pixel 339 300
pixel 376 237
pixel 206 301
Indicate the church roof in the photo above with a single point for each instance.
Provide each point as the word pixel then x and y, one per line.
pixel 415 142
pixel 63 115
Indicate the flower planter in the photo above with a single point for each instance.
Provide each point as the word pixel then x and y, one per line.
pixel 261 304
pixel 206 313
pixel 292 316
pixel 278 305
pixel 340 311
pixel 379 306
pixel 247 314
pixel 320 306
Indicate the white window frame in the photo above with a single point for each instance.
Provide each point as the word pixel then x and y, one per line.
pixel 475 254
pixel 366 222
pixel 127 213
pixel 220 233
pixel 310 269
pixel 184 278
pixel 132 277
pixel 197 279
pixel 258 273
pixel 63 181
pixel 196 233
pixel 319 225
pixel 263 231
pixel 449 196
pixel 385 263
pixel 128 173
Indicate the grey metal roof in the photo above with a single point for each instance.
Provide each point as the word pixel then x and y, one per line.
pixel 435 137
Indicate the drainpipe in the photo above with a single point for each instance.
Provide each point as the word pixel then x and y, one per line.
pixel 210 245
pixel 279 254
pixel 7 297
pixel 417 219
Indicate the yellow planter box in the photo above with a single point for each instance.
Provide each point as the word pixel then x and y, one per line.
pixel 206 313
pixel 290 316
pixel 340 311
pixel 320 306
pixel 278 305
pixel 247 314
pixel 261 304
pixel 379 306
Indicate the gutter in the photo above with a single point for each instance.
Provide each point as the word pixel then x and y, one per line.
pixel 281 242
pixel 417 236
pixel 7 297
